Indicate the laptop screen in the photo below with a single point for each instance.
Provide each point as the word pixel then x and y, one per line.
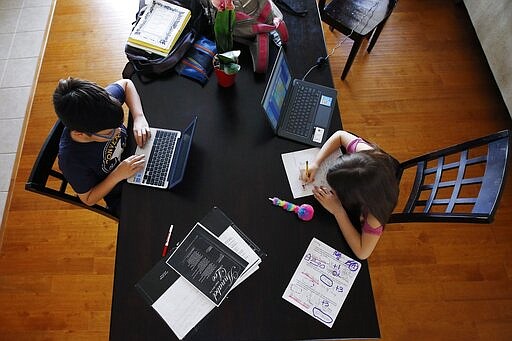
pixel 278 84
pixel 186 140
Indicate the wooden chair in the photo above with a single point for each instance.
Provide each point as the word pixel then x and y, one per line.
pixel 356 19
pixel 461 183
pixel 45 168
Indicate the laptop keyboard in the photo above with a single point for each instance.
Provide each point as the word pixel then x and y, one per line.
pixel 302 109
pixel 159 161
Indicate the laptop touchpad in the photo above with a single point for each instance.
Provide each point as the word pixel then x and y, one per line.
pixel 322 116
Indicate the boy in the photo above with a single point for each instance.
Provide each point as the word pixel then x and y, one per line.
pixel 94 137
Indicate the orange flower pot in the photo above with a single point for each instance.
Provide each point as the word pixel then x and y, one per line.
pixel 224 79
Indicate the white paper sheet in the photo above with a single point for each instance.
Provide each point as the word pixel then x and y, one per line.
pixel 294 162
pixel 182 306
pixel 322 282
pixel 236 243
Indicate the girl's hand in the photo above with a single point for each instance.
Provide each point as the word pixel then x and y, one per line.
pixel 328 199
pixel 309 176
pixel 141 130
pixel 130 166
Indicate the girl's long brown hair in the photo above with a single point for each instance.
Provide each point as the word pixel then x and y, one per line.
pixel 366 182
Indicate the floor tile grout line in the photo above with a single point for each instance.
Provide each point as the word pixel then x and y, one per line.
pixel 19 10
pixel 15 31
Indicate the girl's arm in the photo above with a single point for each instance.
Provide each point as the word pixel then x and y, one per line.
pixel 141 129
pixel 334 142
pixel 362 244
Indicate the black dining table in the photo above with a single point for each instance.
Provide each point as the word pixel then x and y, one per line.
pixel 235 164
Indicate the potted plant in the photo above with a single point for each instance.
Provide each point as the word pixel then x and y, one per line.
pixel 225 62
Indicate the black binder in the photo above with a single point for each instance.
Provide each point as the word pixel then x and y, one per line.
pixel 162 276
pixel 217 222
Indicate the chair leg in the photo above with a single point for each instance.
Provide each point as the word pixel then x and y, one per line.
pixel 351 57
pixel 375 36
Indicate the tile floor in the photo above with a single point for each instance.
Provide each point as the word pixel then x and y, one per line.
pixel 23 24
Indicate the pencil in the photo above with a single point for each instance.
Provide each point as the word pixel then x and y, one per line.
pixel 307 169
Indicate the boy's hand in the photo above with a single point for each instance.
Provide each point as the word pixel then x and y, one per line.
pixel 130 166
pixel 141 130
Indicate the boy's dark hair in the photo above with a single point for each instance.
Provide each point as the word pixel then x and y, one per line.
pixel 366 182
pixel 86 107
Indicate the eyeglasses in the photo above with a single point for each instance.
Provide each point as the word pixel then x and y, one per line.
pixel 106 136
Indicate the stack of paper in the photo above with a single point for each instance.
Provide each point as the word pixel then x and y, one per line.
pixel 159 27
pixel 214 266
pixel 184 287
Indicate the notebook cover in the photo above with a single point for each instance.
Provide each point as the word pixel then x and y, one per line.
pixel 207 263
pixel 156 281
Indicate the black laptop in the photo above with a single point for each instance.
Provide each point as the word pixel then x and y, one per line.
pixel 166 155
pixel 297 109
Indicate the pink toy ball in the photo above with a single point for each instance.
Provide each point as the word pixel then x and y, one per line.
pixel 304 212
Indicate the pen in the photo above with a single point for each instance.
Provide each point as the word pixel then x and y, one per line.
pixel 307 169
pixel 164 252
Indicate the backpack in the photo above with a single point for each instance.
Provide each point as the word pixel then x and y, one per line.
pixel 150 66
pixel 255 21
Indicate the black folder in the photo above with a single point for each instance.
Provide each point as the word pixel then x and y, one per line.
pixel 162 276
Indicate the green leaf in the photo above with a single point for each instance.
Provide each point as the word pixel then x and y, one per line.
pixel 223 28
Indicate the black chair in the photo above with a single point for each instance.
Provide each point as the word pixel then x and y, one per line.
pixel 462 183
pixel 358 20
pixel 46 179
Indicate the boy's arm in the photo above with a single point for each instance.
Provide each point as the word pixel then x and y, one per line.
pixel 127 168
pixel 140 124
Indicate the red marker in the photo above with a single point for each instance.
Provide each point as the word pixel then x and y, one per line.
pixel 164 252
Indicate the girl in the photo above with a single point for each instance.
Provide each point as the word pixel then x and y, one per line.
pixel 364 189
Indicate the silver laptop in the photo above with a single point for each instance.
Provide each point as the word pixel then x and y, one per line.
pixel 166 157
pixel 297 109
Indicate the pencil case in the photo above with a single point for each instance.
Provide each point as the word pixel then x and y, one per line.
pixel 197 63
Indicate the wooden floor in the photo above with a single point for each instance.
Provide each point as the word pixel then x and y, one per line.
pixel 425 85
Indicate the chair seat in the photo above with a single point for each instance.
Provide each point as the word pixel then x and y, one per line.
pixel 362 16
pixel 358 20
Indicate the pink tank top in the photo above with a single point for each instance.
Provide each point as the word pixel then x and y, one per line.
pixel 351 148
pixel 366 228
pixel 376 231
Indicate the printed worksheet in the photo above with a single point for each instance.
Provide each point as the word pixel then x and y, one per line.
pixel 295 163
pixel 322 282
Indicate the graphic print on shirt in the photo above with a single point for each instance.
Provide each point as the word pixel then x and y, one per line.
pixel 113 150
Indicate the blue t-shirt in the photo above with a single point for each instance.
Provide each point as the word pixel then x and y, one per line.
pixel 85 165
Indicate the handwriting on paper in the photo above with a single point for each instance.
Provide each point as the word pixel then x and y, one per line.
pixel 294 162
pixel 322 282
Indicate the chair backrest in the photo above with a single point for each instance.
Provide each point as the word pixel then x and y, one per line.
pixel 44 169
pixel 462 183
